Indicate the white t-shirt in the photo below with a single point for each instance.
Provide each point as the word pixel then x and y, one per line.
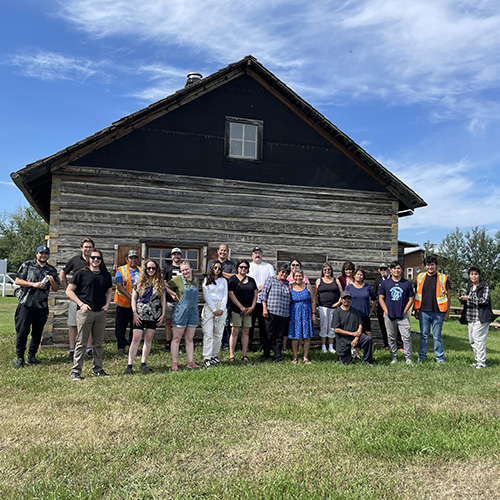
pixel 260 273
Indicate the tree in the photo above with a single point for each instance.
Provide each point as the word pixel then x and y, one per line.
pixel 21 233
pixel 429 248
pixel 452 250
pixel 483 251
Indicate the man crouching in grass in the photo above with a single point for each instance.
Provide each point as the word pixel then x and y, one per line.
pixel 349 330
pixel 91 290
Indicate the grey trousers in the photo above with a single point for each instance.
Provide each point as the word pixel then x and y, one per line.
pixel 89 322
pixel 403 326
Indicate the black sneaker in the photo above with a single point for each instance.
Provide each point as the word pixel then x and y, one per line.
pixel 76 376
pixel 100 373
pixel 33 361
pixel 207 363
pixel 19 364
pixel 225 348
pixel 167 348
pixel 89 353
pixel 128 371
pixel 215 361
pixel 145 368
pixel 71 356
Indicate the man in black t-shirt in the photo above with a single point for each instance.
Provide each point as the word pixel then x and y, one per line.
pixel 75 264
pixel 432 307
pixel 171 271
pixel 91 289
pixel 349 331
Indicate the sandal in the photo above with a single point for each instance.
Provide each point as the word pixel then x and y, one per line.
pixel 232 359
pixel 306 361
pixel 245 358
pixel 294 361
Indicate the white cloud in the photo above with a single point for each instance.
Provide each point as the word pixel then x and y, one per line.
pixel 456 194
pixel 48 66
pixel 440 52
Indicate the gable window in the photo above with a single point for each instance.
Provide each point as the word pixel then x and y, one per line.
pixel 243 139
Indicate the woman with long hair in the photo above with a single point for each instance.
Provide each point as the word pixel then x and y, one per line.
pixel 243 293
pixel 213 315
pixel 184 290
pixel 148 308
pixel 302 316
pixel 327 297
pixel 347 276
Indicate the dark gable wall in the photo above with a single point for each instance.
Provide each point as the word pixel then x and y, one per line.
pixel 190 141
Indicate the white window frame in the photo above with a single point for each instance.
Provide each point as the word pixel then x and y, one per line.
pixel 259 126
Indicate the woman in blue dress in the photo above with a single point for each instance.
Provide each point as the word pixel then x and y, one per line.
pixel 302 315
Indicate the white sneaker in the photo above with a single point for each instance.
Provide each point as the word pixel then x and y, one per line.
pixel 394 361
pixel 331 349
pixel 409 362
pixel 323 348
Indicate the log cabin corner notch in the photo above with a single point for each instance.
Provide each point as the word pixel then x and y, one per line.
pixel 234 157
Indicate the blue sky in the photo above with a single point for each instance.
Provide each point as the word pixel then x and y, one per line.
pixel 417 84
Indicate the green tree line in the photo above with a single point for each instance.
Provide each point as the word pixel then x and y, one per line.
pixel 21 233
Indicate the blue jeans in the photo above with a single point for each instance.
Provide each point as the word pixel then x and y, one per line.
pixel 428 320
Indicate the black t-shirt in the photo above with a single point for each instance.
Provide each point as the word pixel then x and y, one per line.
pixel 348 321
pixel 244 292
pixel 170 271
pixel 429 302
pixel 91 287
pixel 74 264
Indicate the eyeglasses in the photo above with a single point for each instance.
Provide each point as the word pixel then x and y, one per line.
pixel 242 267
pixel 151 268
pixel 96 257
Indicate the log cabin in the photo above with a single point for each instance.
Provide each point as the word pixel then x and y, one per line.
pixel 235 157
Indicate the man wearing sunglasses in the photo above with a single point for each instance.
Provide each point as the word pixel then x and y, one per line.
pixel 349 331
pixel 91 289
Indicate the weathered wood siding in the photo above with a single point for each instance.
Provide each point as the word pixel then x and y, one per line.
pixel 117 207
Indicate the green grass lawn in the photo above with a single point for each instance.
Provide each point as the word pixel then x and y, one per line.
pixel 251 431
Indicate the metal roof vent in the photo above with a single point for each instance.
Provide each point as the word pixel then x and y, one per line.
pixel 193 78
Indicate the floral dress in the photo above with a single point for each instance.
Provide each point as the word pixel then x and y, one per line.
pixel 300 326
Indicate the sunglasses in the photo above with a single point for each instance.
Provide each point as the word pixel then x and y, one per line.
pixel 151 268
pixel 242 267
pixel 96 257
pixel 217 268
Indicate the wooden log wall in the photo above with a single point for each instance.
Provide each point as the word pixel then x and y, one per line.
pixel 117 208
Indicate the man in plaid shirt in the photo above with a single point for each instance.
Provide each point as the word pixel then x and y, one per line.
pixel 276 310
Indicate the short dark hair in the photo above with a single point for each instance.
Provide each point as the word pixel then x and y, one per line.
pixel 474 268
pixel 430 259
pixel 296 260
pixel 395 263
pixel 284 267
pixel 243 261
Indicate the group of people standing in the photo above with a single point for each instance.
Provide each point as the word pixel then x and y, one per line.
pixel 240 295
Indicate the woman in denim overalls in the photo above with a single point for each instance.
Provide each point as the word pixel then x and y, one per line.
pixel 184 290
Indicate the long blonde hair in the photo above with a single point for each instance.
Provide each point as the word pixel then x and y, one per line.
pixel 143 281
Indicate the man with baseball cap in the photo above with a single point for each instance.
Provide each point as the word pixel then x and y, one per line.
pixel 125 279
pixel 36 278
pixel 171 271
pixel 349 331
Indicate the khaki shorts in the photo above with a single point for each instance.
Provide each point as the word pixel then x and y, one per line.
pixel 238 320
pixel 169 310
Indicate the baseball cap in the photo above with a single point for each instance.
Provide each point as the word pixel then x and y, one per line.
pixel 175 250
pixel 345 294
pixel 43 248
pixel 256 249
pixel 132 253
